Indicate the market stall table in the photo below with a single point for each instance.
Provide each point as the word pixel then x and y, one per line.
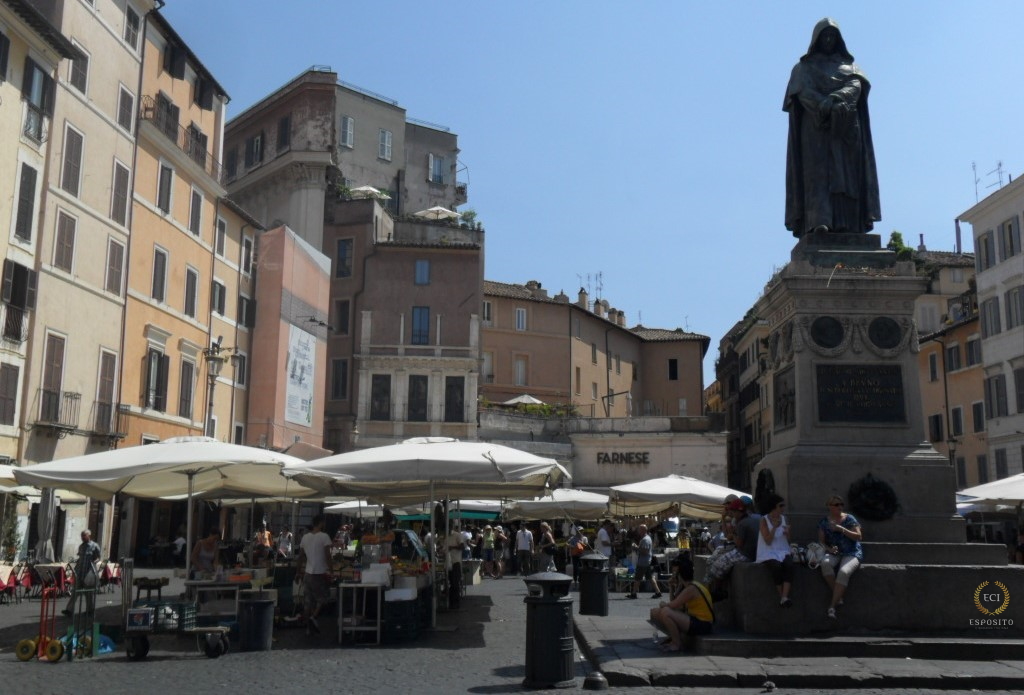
pixel 353 616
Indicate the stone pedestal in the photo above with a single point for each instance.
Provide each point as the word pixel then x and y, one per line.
pixel 842 375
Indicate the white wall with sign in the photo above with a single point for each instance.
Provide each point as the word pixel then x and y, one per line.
pixel 603 460
pixel 299 390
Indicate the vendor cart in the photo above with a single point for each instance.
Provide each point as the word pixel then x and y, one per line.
pixel 171 617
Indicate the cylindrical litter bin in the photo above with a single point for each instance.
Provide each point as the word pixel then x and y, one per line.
pixel 549 639
pixel 255 624
pixel 593 584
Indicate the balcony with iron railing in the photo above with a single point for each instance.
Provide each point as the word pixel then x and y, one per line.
pixel 35 123
pixel 15 323
pixel 59 409
pixel 110 419
pixel 188 141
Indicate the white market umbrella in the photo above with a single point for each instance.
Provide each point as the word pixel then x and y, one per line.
pixel 181 465
pixel 524 399
pixel 1008 491
pixel 369 192
pixel 561 503
pixel 696 498
pixel 437 213
pixel 357 509
pixel 430 468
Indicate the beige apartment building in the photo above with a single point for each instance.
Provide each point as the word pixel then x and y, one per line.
pixel 31 50
pixel 583 355
pixel 175 218
pixel 999 263
pixel 74 352
pixel 952 393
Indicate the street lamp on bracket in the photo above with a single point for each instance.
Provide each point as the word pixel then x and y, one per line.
pixel 214 364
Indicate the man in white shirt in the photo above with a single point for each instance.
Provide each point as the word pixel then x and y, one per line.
pixel 524 550
pixel 604 546
pixel 314 573
pixel 455 544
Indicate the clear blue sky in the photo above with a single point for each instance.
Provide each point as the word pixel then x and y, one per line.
pixel 645 141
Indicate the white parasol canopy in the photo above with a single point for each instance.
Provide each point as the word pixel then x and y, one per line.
pixel 170 468
pixel 437 213
pixel 369 192
pixel 524 399
pixel 696 498
pixel 182 465
pixel 561 503
pixel 430 468
pixel 1008 491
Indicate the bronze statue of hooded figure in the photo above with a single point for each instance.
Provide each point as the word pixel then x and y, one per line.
pixel 831 180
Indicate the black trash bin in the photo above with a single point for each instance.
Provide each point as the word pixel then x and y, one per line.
pixel 593 584
pixel 549 639
pixel 255 624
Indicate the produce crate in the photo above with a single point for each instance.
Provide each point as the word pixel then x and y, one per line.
pixel 167 615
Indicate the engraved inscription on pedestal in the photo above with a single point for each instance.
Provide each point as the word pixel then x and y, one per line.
pixel 860 393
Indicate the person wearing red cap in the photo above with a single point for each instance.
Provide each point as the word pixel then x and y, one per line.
pixel 745 537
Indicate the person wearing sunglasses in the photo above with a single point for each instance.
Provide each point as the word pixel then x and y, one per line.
pixel 773 547
pixel 840 534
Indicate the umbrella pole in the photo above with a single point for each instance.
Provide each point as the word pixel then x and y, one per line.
pixel 252 526
pixel 433 560
pixel 188 526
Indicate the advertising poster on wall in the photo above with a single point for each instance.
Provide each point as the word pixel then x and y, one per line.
pixel 299 393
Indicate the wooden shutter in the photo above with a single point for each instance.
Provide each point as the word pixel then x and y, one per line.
pixel 8 390
pixel 174 60
pixel 163 367
pixel 26 203
pixel 49 94
pixel 8 282
pixel 5 48
pixel 27 73
pixel 53 363
pixel 31 290
pixel 71 177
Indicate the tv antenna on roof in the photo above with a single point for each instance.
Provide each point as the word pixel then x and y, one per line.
pixel 999 172
pixel 974 169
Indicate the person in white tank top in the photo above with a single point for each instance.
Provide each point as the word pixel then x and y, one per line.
pixel 773 547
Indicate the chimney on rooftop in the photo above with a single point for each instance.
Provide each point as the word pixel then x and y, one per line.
pixel 920 246
pixel 536 291
pixel 583 301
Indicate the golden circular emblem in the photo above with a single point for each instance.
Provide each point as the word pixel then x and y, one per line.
pixel 1002 607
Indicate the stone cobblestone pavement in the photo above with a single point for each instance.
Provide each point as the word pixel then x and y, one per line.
pixel 478 649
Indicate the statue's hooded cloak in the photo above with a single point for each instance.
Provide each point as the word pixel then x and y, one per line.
pixel 843 162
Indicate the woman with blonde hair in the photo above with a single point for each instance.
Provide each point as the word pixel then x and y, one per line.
pixel 547 545
pixel 841 535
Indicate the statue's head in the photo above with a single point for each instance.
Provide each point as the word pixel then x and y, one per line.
pixel 828 40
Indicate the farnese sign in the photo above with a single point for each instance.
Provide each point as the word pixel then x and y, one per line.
pixel 624 457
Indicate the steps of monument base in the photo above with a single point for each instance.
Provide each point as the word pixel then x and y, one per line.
pixel 878 553
pixel 922 599
pixel 895 645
